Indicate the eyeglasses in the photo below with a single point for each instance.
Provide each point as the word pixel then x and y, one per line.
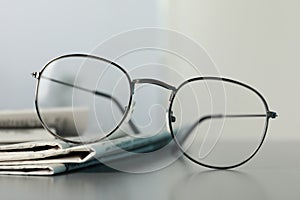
pixel 216 122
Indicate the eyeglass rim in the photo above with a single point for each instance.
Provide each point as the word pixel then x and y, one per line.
pixel 131 88
pixel 172 98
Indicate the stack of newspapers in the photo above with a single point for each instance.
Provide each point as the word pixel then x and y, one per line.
pixel 28 149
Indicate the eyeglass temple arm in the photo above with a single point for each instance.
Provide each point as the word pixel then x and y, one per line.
pixel 270 114
pixel 105 95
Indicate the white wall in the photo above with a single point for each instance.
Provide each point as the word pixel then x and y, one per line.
pixel 257 42
pixel 33 32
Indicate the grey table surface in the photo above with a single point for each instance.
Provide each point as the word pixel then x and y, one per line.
pixel 273 174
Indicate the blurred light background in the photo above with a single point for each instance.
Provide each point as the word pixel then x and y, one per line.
pixel 34 32
pixel 256 42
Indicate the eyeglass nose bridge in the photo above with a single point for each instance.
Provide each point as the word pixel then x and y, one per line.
pixel 153 82
pixel 158 83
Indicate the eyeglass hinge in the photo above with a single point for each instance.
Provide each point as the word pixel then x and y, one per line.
pixel 272 114
pixel 35 75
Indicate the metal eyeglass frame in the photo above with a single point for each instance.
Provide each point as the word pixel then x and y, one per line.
pixel 269 114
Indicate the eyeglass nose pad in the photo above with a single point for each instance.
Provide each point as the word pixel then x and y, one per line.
pixel 131 109
pixel 173 118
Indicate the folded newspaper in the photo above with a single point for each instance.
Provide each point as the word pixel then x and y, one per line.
pixel 51 156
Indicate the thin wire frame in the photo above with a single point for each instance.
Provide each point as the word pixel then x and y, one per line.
pixel 269 114
pixel 38 76
pixel 174 91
